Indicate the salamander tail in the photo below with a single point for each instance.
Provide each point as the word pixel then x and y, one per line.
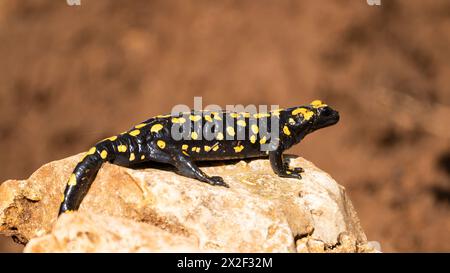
pixel 83 175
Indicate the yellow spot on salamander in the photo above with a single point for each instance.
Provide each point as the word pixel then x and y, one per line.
pixel 111 138
pixel 277 112
pixel 194 135
pixel 215 147
pixel 68 211
pixel 241 123
pixel 291 121
pixel 178 120
pixel 307 114
pixel 261 115
pixel 142 157
pixel 139 126
pixel 163 116
pixel 122 148
pixel 245 114
pixel 255 128
pixel 288 172
pixel 184 147
pixel 208 118
pixel 62 198
pixel 253 139
pixel 161 144
pixel 132 157
pixel 230 131
pixel 72 180
pixel 299 111
pixel 234 115
pixel 185 153
pixel 104 154
pixel 217 116
pixel 286 130
pixel 91 151
pixel 195 118
pixel 196 149
pixel 239 148
pixel 135 133
pixel 262 140
pixel 317 104
pixel 156 128
pixel 219 136
pixel 207 148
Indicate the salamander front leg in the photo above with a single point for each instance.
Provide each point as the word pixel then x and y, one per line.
pixel 187 167
pixel 281 168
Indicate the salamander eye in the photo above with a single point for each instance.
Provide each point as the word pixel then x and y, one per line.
pixel 326 112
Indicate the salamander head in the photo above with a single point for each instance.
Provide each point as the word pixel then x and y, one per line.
pixel 324 115
pixel 308 118
pixel 302 120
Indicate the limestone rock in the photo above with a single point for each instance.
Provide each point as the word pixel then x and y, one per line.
pixel 87 232
pixel 125 210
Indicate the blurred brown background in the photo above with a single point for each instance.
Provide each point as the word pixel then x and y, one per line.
pixel 70 76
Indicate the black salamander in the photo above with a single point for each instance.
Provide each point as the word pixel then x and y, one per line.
pixel 236 136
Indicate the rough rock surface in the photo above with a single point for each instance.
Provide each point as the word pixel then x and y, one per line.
pixel 149 209
pixel 88 232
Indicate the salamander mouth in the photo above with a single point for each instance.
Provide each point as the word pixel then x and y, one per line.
pixel 327 120
pixel 335 118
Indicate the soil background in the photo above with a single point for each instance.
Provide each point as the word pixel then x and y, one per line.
pixel 72 75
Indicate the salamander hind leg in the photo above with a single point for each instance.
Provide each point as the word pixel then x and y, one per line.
pixel 187 167
pixel 165 153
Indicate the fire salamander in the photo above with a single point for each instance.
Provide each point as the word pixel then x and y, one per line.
pixel 236 135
